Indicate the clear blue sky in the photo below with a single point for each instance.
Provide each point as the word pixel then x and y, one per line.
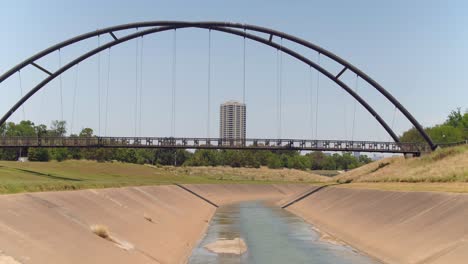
pixel 416 49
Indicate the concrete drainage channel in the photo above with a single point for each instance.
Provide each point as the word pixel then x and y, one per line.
pixel 263 232
pixel 164 224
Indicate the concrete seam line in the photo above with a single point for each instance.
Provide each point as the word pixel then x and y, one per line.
pixel 304 196
pixel 196 194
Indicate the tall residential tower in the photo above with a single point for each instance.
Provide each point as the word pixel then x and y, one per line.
pixel 232 120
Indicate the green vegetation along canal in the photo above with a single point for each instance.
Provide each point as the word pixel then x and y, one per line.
pixel 272 235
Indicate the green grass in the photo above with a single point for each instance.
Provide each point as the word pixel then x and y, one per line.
pixel 16 177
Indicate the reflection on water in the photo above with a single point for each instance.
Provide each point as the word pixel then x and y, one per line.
pixel 272 235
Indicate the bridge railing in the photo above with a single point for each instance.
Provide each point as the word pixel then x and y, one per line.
pixel 213 143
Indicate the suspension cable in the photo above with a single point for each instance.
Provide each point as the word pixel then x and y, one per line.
pixel 136 87
pixel 243 88
pixel 345 123
pixel 21 93
pixel 317 98
pixel 107 91
pixel 141 85
pixel 209 85
pixel 280 89
pixel 99 87
pixel 354 107
pixel 174 85
pixel 60 83
pixel 394 117
pixel 42 94
pixel 74 98
pixel 278 94
pixel 311 102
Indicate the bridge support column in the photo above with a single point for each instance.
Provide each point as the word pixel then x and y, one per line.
pixel 23 154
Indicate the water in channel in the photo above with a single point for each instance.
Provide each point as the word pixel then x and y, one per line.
pixel 272 235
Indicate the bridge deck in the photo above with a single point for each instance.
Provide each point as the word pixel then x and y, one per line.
pixel 213 143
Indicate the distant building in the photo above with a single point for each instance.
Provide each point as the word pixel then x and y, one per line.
pixel 377 157
pixel 356 154
pixel 232 121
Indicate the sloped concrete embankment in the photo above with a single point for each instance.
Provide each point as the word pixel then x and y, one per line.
pixel 222 194
pixel 153 224
pixel 395 227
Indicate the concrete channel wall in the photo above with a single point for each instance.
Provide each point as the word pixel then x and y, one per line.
pixel 395 227
pixel 161 224
pixel 153 224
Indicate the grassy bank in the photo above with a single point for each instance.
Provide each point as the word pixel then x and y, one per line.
pixel 18 177
pixel 443 170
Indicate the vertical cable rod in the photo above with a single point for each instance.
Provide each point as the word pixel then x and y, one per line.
pixel 345 123
pixel 209 86
pixel 75 86
pixel 317 98
pixel 99 87
pixel 136 88
pixel 311 101
pixel 280 90
pixel 107 91
pixel 141 86
pixel 21 93
pixel 394 117
pixel 354 107
pixel 60 84
pixel 174 66
pixel 243 76
pixel 277 94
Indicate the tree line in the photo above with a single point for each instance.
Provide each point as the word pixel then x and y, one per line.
pixel 234 158
pixel 453 129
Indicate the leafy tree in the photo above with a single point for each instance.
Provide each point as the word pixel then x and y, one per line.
pixel 317 160
pixel 329 164
pixel 38 154
pixel 86 132
pixel 364 159
pixel 25 128
pixel 58 128
pixel 274 162
pixel 261 156
pixel 454 129
pixel 455 118
pixel 445 134
pixel 41 130
pixel 59 154
pixel 298 162
pixel 345 161
pixel 203 157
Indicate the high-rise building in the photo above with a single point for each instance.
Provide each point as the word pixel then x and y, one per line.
pixel 232 120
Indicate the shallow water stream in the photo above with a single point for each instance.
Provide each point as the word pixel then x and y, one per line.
pixel 272 235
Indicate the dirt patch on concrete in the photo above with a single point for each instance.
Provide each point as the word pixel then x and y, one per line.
pixel 4 259
pixel 234 246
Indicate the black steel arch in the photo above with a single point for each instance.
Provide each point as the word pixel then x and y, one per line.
pixel 158 26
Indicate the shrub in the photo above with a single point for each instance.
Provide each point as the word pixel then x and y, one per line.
pixel 38 154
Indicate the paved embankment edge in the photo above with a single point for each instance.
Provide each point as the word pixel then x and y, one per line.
pixel 395 227
pixel 149 224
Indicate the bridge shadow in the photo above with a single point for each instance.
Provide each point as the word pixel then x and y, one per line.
pixel 48 175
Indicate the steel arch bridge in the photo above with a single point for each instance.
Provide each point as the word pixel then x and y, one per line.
pixel 259 34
